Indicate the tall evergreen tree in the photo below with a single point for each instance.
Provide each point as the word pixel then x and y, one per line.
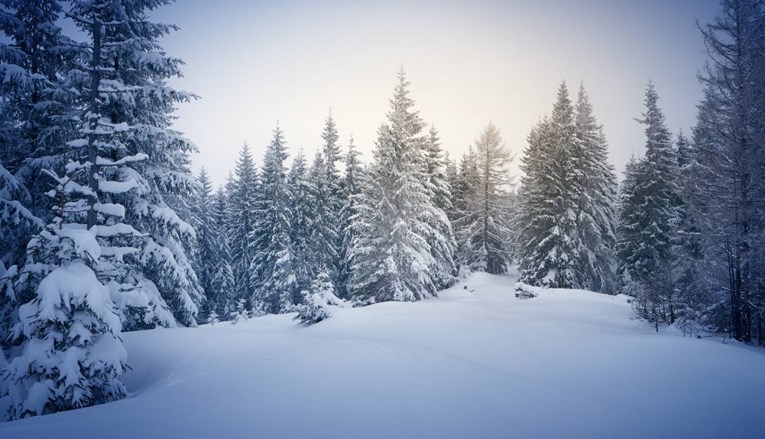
pixel 124 158
pixel 596 216
pixel 390 255
pixel 332 199
pixel 351 190
pixel 645 262
pixel 441 241
pixel 33 126
pixel 303 217
pixel 272 270
pixel 222 281
pixel 324 217
pixel 549 244
pixel 690 292
pixel 209 235
pixel 243 196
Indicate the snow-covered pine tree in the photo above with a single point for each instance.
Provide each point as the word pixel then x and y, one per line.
pixel 301 186
pixel 646 254
pixel 351 190
pixel 436 163
pixel 335 195
pixel 464 187
pixel 243 198
pixel 691 292
pixel 69 352
pixel 452 176
pixel 222 281
pixel 442 242
pixel 629 247
pixel 16 224
pixel 596 215
pixel 483 219
pixel 324 218
pixel 390 255
pixel 131 160
pixel 549 245
pixel 272 271
pixel 32 130
pixel 207 256
pixel 318 300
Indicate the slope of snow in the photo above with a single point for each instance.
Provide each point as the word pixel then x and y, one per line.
pixel 476 363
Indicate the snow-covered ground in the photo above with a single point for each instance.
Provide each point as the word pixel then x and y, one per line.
pixel 476 363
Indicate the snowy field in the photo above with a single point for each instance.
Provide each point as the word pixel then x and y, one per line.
pixel 476 363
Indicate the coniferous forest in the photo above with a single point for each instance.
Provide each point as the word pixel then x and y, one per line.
pixel 105 229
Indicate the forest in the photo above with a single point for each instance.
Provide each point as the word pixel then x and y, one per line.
pixel 104 229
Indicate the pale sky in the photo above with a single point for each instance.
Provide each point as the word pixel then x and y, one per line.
pixel 469 63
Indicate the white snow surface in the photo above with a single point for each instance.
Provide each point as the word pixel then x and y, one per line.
pixel 474 363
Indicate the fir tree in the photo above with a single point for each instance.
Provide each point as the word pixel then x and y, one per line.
pixel 242 204
pixel 208 238
pixel 222 281
pixel 319 300
pixel 390 255
pixel 333 199
pixel 301 186
pixel 549 244
pixel 691 301
pixel 272 270
pixel 441 241
pixel 596 216
pixel 324 217
pixel 646 249
pixel 71 354
pixel 351 189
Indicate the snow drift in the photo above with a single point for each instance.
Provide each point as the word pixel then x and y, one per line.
pixel 475 363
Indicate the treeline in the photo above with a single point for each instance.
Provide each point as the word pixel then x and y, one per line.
pixel 400 228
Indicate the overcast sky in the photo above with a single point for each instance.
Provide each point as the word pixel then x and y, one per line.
pixel 469 62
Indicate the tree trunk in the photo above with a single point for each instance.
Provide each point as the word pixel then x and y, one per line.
pixel 95 83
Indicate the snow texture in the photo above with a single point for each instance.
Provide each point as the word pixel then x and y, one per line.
pixel 475 363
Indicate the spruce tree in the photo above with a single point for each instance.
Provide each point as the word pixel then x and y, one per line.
pixel 390 255
pixel 646 251
pixel 222 281
pixel 243 196
pixel 442 242
pixel 596 215
pixel 691 292
pixel 351 189
pixel 549 244
pixel 34 128
pixel 302 188
pixel 70 350
pixel 324 217
pixel 318 300
pixel 272 270
pixel 333 199
pixel 208 239
pixel 125 159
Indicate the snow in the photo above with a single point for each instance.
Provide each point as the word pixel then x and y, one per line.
pixel 74 284
pixel 85 244
pixel 474 363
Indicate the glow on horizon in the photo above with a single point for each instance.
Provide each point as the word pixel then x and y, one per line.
pixel 469 63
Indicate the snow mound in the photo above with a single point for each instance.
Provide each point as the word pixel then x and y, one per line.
pixel 475 363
